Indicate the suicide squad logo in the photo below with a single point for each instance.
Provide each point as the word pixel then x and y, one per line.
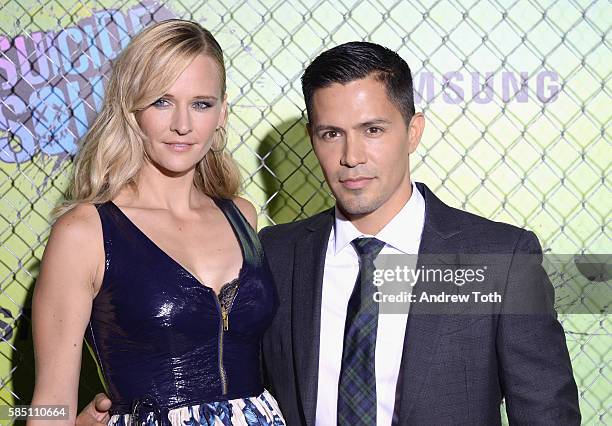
pixel 52 83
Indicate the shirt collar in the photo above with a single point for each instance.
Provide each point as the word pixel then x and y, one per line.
pixel 403 232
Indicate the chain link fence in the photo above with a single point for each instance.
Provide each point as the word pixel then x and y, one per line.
pixel 516 95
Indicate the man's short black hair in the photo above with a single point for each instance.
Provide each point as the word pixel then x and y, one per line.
pixel 354 61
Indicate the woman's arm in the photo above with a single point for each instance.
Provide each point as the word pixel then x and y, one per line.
pixel 71 270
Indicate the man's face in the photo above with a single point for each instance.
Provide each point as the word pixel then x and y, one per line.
pixel 362 143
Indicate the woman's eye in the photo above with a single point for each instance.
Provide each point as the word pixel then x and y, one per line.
pixel 201 105
pixel 161 102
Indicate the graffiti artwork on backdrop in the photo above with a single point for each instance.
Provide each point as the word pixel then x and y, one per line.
pixel 51 83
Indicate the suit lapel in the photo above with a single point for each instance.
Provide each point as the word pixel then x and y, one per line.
pixel 309 262
pixel 422 335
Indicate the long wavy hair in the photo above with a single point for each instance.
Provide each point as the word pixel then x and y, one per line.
pixel 112 152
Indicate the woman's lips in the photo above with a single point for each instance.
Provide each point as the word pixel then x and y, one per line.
pixel 179 146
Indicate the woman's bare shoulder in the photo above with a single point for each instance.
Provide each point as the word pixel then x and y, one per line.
pixel 74 253
pixel 247 209
pixel 78 232
pixel 81 222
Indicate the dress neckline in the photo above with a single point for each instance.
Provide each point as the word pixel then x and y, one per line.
pixel 179 264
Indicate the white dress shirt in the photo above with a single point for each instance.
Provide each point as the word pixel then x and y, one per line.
pixel 402 235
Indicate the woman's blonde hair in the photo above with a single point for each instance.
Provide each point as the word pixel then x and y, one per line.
pixel 112 152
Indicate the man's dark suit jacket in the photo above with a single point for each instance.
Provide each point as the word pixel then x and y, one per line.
pixel 455 369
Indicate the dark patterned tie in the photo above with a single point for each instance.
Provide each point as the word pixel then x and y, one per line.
pixel 357 385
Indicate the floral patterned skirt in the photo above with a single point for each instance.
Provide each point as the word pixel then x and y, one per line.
pixel 259 410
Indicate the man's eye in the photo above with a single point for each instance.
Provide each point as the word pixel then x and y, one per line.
pixel 161 102
pixel 374 130
pixel 330 134
pixel 201 105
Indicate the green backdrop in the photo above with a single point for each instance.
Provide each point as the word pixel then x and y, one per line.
pixel 516 95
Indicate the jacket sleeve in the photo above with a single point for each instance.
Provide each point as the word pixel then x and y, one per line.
pixel 534 365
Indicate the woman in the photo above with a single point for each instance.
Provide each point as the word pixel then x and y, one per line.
pixel 154 259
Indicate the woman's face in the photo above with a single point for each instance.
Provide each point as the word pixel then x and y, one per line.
pixel 179 126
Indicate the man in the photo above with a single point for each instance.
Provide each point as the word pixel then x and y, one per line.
pixel 330 357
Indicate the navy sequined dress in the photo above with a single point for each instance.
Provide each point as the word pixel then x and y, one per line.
pixel 169 350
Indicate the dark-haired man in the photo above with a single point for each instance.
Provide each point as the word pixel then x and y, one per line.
pixel 329 357
pixel 410 368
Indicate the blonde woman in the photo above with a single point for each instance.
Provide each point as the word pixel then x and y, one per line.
pixel 154 259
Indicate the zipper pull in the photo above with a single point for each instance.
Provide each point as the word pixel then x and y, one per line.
pixel 225 318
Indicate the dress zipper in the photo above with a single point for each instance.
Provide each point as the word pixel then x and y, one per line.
pixel 224 311
pixel 222 329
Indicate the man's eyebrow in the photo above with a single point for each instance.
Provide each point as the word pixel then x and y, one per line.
pixel 374 122
pixel 320 127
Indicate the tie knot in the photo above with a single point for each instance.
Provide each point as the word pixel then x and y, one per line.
pixel 367 247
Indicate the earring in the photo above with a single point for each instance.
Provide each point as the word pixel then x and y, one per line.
pixel 221 133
